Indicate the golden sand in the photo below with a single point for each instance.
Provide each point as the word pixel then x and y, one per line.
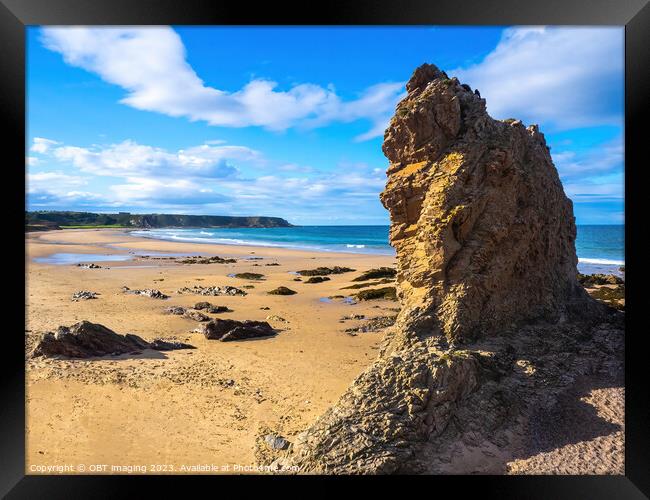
pixel 166 410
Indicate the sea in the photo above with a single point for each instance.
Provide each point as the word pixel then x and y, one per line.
pixel 600 248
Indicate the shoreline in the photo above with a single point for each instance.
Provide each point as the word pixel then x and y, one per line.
pixel 141 243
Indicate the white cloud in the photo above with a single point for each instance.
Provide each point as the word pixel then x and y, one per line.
pixel 167 191
pixel 41 145
pixel 57 181
pixel 130 158
pixel 150 64
pixel 197 179
pixel 598 160
pixel 565 76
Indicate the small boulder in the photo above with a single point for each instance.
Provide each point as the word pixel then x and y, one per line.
pixel 147 292
pixel 317 279
pixel 86 339
pixel 195 315
pixel 276 442
pixel 386 293
pixel 371 274
pixel 89 266
pixel 229 329
pixel 282 290
pixel 324 271
pixel 176 310
pixel 212 290
pixel 83 295
pixel 249 276
pixel 208 307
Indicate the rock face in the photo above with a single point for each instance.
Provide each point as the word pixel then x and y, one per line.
pixel 486 260
pixel 485 235
pixel 86 339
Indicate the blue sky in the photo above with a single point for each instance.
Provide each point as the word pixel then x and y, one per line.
pixel 289 122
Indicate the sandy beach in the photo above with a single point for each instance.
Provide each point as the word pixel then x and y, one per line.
pixel 203 410
pixel 186 407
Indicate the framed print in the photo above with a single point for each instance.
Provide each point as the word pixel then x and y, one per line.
pixel 387 239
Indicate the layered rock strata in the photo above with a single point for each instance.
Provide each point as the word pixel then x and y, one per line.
pixel 493 321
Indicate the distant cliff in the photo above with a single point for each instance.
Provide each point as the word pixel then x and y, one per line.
pixel 45 220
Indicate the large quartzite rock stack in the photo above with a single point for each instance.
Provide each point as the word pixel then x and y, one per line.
pixel 485 235
pixel 485 241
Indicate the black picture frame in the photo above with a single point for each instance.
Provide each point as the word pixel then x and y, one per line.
pixel 15 15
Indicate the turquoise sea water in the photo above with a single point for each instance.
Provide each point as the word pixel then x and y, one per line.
pixel 599 248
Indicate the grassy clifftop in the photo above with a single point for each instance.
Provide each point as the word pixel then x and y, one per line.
pixel 46 220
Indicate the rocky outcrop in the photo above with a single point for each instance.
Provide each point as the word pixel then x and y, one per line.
pixel 84 295
pixel 317 279
pixel 282 290
pixel 212 290
pixel 195 315
pixel 325 271
pixel 86 339
pixel 493 320
pixel 371 274
pixel 485 235
pixel 227 330
pixel 147 292
pixel 208 307
pixel 590 280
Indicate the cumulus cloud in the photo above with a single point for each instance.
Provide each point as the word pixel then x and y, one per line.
pixel 196 180
pixel 561 76
pixel 605 158
pixel 150 64
pixel 52 180
pixel 42 145
pixel 166 190
pixel 130 158
pixel 593 174
pixel 45 189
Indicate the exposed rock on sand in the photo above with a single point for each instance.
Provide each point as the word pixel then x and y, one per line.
pixel 215 259
pixel 195 315
pixel 589 280
pixel 317 279
pixel 147 292
pixel 229 329
pixel 386 293
pixel 208 307
pixel 358 286
pixel 613 296
pixel 324 271
pixel 373 324
pixel 86 339
pixel 249 276
pixel 89 266
pixel 382 272
pixel 176 310
pixel 276 442
pixel 83 295
pixel 212 290
pixel 282 290
pixel 485 241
